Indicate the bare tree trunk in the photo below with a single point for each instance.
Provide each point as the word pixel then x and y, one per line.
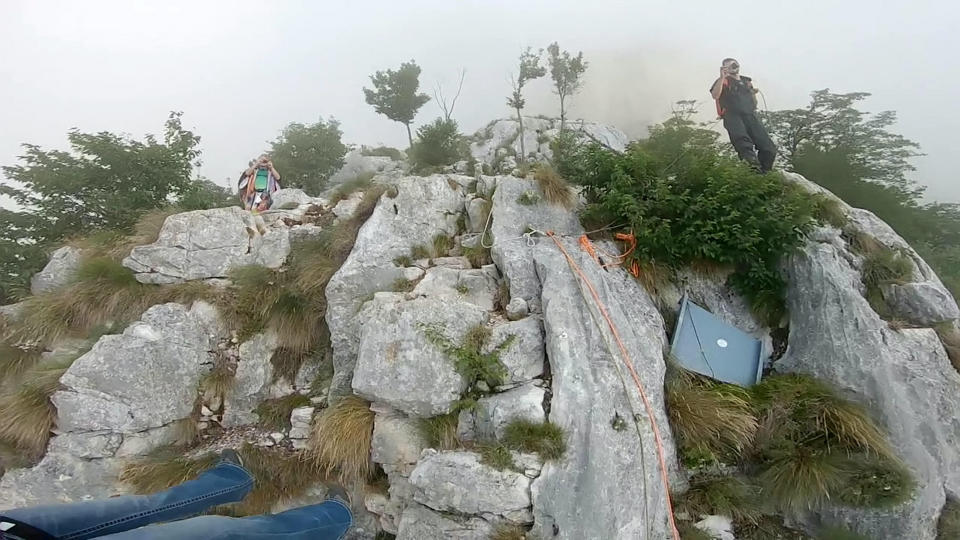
pixel 523 152
pixel 409 135
pixel 563 114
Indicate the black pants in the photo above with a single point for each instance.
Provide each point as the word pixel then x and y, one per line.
pixel 749 138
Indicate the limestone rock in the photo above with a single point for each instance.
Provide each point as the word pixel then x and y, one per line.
pixel 503 135
pixel 252 382
pixel 398 366
pixel 510 221
pixel 517 309
pixel 397 443
pixel 458 482
pixel 904 378
pixel 207 244
pixel 601 464
pixel 116 387
pixel 86 445
pixel 356 164
pixel 717 527
pixel 477 287
pixel 422 208
pixel 421 523
pixel 455 263
pixel 59 478
pixel 524 357
pixel 477 211
pixel 58 271
pixel 143 442
pixel 300 421
pixel 492 413
pixel 923 303
pixel 346 207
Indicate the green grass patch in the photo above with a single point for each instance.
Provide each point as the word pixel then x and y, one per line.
pixel 441 244
pixel 497 456
pixel 829 211
pixel 420 251
pixel 469 359
pixel 404 285
pixel 721 495
pixel 403 261
pixel 544 439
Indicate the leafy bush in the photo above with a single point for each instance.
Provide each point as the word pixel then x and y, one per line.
pixel 702 207
pixel 469 359
pixel 203 194
pixel 306 155
pixel 438 143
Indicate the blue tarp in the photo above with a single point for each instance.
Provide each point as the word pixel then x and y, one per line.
pixel 705 344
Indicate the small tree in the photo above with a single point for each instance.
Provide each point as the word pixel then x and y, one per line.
pixel 530 69
pixel 306 155
pixel 442 100
pixel 438 143
pixel 395 96
pixel 566 72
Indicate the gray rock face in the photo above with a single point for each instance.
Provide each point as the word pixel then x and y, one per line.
pixel 510 221
pixel 903 377
pixel 253 381
pixel 420 523
pixel 86 445
pixel 601 464
pixel 492 413
pixel 458 482
pixel 524 357
pixel 206 244
pixel 478 287
pixel 517 309
pixel 345 208
pixel 115 387
pixel 59 478
pixel 397 443
pixel 300 421
pixel 398 366
pixel 58 272
pixel 423 208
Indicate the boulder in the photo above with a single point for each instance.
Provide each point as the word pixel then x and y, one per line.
pixel 456 263
pixel 60 478
pixel 421 523
pixel 517 309
pixel 346 207
pixel 397 443
pixel 356 164
pixel 923 303
pixel 602 464
pixel 253 381
pixel 904 378
pixel 503 135
pixel 492 413
pixel 717 527
pixel 58 271
pixel 398 366
pixel 86 445
pixel 458 482
pixel 144 378
pixel 524 357
pixel 511 220
pixel 207 244
pixel 289 199
pixel 301 419
pixel 478 287
pixel 422 208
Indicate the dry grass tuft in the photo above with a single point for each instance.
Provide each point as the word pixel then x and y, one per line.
pixel 15 359
pixel 165 468
pixel 26 413
pixel 340 442
pixel 709 418
pixel 798 479
pixel 509 531
pixel 948 526
pixel 555 189
pixel 829 210
pixel 117 245
pixel 440 432
pixel 358 183
pixel 441 245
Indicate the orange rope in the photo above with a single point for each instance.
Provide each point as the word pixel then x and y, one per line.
pixel 633 374
pixel 588 246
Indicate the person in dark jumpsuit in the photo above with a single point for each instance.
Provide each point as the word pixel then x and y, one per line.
pixel 737 104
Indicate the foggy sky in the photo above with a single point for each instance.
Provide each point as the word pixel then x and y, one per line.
pixel 241 70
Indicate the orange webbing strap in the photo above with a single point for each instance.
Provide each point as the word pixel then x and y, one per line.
pixel 587 245
pixel 633 374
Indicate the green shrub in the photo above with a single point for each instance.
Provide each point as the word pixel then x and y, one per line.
pixel 545 439
pixel 382 151
pixel 705 207
pixel 469 359
pixel 438 143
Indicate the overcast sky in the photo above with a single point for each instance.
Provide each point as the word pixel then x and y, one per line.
pixel 240 70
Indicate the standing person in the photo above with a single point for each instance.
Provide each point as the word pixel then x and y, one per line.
pixel 167 515
pixel 257 184
pixel 737 104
